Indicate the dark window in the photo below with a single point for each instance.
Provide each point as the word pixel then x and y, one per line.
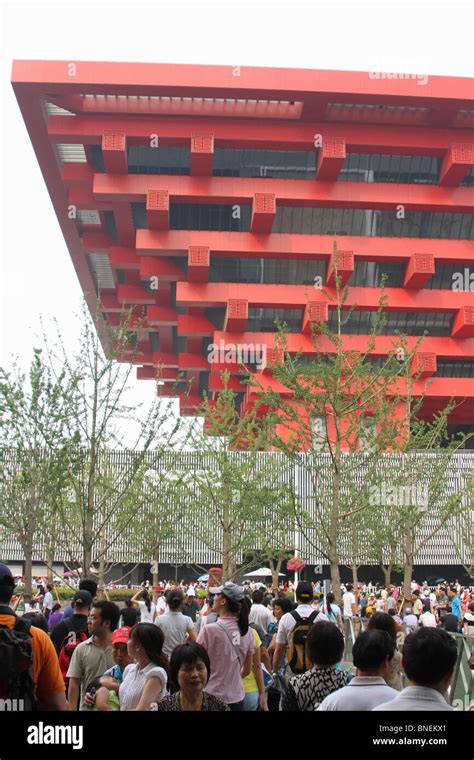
pixel 373 223
pixel 265 319
pixel 154 341
pixel 409 323
pixel 188 216
pixel 278 164
pixel 180 343
pixel 451 277
pixel 455 368
pixel 317 221
pixel 110 226
pixel 368 274
pixel 121 276
pixel 374 167
pixel 145 160
pixel 468 180
pixel 269 271
pixel 216 315
pixel 97 157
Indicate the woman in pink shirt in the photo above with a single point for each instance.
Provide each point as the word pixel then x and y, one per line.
pixel 230 645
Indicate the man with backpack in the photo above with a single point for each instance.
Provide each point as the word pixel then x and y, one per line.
pixel 75 624
pixel 29 668
pixel 293 630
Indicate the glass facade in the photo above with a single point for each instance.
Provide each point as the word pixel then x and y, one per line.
pixel 374 167
pixel 278 164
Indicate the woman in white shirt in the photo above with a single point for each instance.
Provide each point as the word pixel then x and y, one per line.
pixel 144 683
pixel 147 607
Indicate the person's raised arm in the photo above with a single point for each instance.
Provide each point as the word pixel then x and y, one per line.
pixel 135 597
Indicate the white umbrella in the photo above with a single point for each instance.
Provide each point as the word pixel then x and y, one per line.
pixel 262 572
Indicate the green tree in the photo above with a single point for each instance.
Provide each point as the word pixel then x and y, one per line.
pixel 98 486
pixel 34 430
pixel 346 409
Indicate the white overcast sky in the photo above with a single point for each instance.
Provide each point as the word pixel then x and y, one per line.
pixel 37 276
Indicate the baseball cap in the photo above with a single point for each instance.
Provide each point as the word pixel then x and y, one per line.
pixel 82 598
pixel 190 592
pixel 304 591
pixel 121 635
pixel 231 590
pixel 6 577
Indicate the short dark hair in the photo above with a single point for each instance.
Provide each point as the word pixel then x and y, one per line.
pixel 349 587
pixel 382 621
pixel 188 653
pixel 257 596
pixel 304 592
pixel 37 620
pixel 90 585
pixel 283 602
pixel 325 643
pixel 371 649
pixel 428 655
pixel 108 611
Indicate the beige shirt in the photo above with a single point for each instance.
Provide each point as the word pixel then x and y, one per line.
pixel 89 661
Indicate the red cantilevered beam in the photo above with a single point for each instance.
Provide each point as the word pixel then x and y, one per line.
pixel 274 135
pixel 114 150
pixel 289 192
pixel 202 153
pixel 317 247
pixel 331 157
pixel 341 264
pixel 457 162
pixel 297 296
pixel 444 348
pixel 420 269
pixel 463 326
pixel 185 80
pixel 198 263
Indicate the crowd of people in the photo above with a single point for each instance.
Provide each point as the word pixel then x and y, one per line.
pixel 241 648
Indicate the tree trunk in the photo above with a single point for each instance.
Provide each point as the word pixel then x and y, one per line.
pixel 229 565
pixel 334 533
pixel 335 578
pixel 154 575
pixel 28 552
pixel 387 571
pixel 408 561
pixel 275 567
pixel 50 552
pixel 355 580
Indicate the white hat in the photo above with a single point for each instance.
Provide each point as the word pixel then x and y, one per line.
pixel 190 592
